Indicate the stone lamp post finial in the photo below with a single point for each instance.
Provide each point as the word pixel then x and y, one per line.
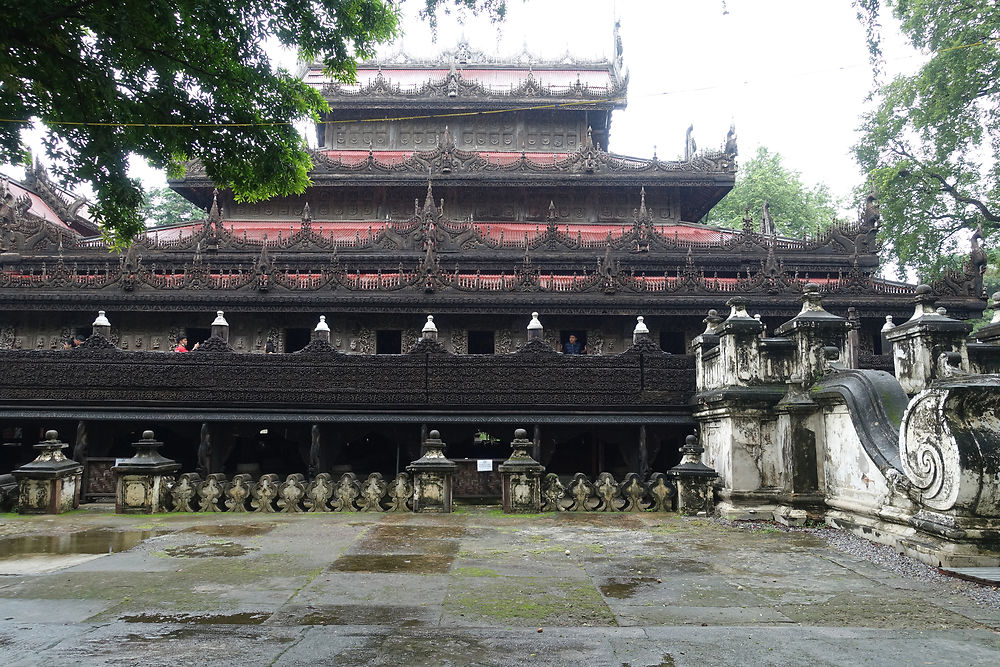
pixel 535 329
pixel 322 330
pixel 430 330
pixel 102 325
pixel 220 327
pixel 641 331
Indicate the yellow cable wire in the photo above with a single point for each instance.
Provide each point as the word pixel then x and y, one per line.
pixel 554 105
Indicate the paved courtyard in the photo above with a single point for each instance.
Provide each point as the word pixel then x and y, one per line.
pixel 472 588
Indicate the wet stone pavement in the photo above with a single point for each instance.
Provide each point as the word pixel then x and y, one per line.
pixel 472 588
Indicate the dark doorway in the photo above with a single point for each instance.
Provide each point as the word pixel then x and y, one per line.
pixel 195 335
pixel 672 342
pixel 296 339
pixel 389 341
pixel 482 342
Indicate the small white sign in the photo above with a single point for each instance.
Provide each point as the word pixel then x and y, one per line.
pixel 484 465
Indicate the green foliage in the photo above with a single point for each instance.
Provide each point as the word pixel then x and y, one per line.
pixel 931 142
pixel 495 9
pixel 105 76
pixel 797 210
pixel 164 207
pixel 176 80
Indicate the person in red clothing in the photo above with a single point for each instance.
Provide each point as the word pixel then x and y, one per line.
pixel 182 345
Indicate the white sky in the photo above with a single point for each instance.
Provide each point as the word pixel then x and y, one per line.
pixel 792 74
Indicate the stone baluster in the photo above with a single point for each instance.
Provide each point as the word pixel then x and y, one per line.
pixel 432 477
pixel 919 343
pixel 142 483
pixel 521 477
pixel 51 483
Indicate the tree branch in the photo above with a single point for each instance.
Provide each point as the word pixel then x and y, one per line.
pixel 948 188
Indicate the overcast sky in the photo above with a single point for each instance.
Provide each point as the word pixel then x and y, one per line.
pixel 792 74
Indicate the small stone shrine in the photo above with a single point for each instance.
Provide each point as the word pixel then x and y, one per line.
pixel 51 483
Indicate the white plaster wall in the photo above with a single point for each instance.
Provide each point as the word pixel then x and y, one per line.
pixel 849 475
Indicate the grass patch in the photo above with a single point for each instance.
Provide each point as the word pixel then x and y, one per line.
pixel 527 601
pixel 474 572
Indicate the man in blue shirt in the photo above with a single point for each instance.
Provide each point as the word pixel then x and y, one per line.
pixel 572 346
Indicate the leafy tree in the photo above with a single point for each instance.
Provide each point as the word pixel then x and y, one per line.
pixel 796 209
pixel 173 80
pixel 164 207
pixel 931 141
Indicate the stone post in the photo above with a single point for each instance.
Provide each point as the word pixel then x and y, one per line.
pixel 739 346
pixel 641 331
pixel 220 327
pixel 535 330
pixel 51 483
pixel 919 343
pixel 886 328
pixel 521 478
pixel 694 480
pixel 701 345
pixel 432 477
pixel 430 330
pixel 322 330
pixel 853 338
pixel 102 326
pixel 814 331
pixel 142 482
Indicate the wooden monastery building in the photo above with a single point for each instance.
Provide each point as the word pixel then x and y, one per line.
pixel 474 190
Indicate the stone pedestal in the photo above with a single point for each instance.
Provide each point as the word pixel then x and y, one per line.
pixel 919 343
pixel 141 482
pixel 820 337
pixel 694 480
pixel 432 477
pixel 51 483
pixel 521 478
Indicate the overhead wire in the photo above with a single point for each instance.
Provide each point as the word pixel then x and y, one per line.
pixel 455 114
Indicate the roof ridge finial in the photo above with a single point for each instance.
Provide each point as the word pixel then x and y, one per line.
pixel 213 213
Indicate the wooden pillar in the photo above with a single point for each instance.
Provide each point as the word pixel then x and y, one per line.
pixel 643 454
pixel 536 447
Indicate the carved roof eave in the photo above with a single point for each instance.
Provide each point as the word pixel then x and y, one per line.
pixel 650 181
pixel 447 164
pixel 605 103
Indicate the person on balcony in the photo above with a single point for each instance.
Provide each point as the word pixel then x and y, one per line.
pixel 572 346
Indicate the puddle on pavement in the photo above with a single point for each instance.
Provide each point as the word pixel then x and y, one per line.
pixel 622 589
pixel 95 541
pixel 209 550
pixel 404 617
pixel 396 563
pixel 604 520
pixel 246 618
pixel 232 530
pixel 410 532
